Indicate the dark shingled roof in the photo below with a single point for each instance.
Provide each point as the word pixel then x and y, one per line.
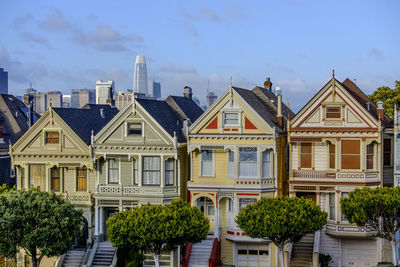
pixel 363 99
pixel 263 106
pixel 165 115
pixel 84 121
pixel 188 106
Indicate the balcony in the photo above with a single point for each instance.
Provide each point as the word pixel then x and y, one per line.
pixel 345 229
pixel 129 190
pixel 329 176
pixel 236 234
pixel 255 183
pixel 79 198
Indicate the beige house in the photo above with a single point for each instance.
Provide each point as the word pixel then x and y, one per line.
pixel 56 154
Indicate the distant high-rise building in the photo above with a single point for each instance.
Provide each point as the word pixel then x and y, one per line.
pixel 75 98
pixel 140 76
pixel 3 81
pixel 66 100
pixel 210 98
pixel 156 89
pixel 54 99
pixel 87 96
pixel 122 99
pixel 40 103
pixel 104 92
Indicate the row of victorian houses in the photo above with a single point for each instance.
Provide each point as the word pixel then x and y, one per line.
pixel 247 145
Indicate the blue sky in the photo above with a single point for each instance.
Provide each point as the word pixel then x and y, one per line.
pixel 60 45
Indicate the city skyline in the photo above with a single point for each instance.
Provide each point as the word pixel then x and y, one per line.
pixel 61 46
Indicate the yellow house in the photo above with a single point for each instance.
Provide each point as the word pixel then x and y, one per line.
pixel 237 150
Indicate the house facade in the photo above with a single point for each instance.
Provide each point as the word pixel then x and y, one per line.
pixel 237 155
pixel 56 154
pixel 340 140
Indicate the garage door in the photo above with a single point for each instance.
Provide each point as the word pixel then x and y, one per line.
pixel 253 255
pixel 359 252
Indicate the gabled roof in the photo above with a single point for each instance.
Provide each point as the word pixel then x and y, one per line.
pixel 84 121
pixel 168 117
pixel 273 100
pixel 98 106
pixel 14 118
pixel 363 99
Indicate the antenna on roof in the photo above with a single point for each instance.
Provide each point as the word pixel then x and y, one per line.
pixel 333 73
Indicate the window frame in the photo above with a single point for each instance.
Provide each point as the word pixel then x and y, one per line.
pixel 128 124
pixel 385 152
pixel 151 171
pixel 224 119
pixel 135 171
pixel 330 206
pixel 310 154
pixel 172 171
pixel 368 154
pixel 350 155
pixel 52 178
pixel 117 162
pixel 266 152
pixel 212 152
pixel 331 154
pixel 81 177
pixel 333 107
pixel 255 151
pixel 47 138
pixel 231 164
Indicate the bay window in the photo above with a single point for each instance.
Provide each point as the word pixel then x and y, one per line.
pixel 370 156
pixel 207 165
pixel 247 162
pixel 169 172
pixel 113 171
pixel 266 164
pixel 151 170
pixel 231 163
pixel 350 154
pixel 332 156
pixel 305 155
pixel 81 177
pixel 332 206
pixel 55 179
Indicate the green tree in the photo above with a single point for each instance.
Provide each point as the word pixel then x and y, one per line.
pixel 388 96
pixel 282 219
pixel 40 223
pixel 377 208
pixel 5 189
pixel 155 228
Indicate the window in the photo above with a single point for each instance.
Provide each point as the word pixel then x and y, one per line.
pixel 370 156
pixel 210 210
pixel 247 162
pixel 113 171
pixel 333 112
pixel 207 168
pixel 387 152
pixel 266 164
pixel 331 156
pixel 231 119
pixel 342 217
pixel 169 172
pixel 151 170
pixel 350 154
pixel 52 137
pixel 231 163
pixel 134 129
pixel 81 177
pixel 305 155
pixel 332 206
pixel 230 205
pixel 243 202
pixel 55 179
pixel 135 172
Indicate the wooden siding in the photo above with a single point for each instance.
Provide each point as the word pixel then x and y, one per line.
pixel 331 246
pixel 294 156
pixel 321 156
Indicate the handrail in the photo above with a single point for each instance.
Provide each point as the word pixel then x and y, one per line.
pixel 317 237
pixel 92 253
pixel 115 259
pixel 61 260
pixel 215 253
pixel 186 259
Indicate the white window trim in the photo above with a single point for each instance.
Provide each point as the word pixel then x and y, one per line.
pixel 361 153
pixel 162 178
pixel 329 206
pixel 259 155
pixel 374 155
pixel 119 171
pixel 234 164
pixel 213 164
pixel 231 112
pixel 270 163
pixel 173 171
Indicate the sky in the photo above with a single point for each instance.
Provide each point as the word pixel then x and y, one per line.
pixel 64 45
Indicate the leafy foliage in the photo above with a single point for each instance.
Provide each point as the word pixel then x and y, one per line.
pixel 282 219
pixel 5 189
pixel 154 228
pixel 41 223
pixel 377 208
pixel 388 96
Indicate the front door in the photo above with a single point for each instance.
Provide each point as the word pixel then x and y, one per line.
pixel 109 212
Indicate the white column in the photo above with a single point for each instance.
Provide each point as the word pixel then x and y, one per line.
pixel 139 172
pixel 162 171
pixel 217 222
pixel 101 215
pixel 48 177
pixel 96 220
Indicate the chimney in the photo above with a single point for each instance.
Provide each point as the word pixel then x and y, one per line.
pixel 279 117
pixel 381 111
pixel 268 84
pixel 187 92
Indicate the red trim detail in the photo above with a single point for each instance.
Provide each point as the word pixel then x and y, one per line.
pixel 213 124
pixel 247 194
pixel 226 129
pixel 234 130
pixel 230 233
pixel 248 124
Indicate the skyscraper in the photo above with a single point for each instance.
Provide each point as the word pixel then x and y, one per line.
pixel 210 98
pixel 3 81
pixel 104 92
pixel 156 89
pixel 140 76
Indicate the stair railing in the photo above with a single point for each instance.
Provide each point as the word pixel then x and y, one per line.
pixel 317 238
pixel 288 253
pixel 115 259
pixel 215 257
pixel 61 260
pixel 92 253
pixel 186 259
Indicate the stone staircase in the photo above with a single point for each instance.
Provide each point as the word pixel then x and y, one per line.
pixel 302 252
pixel 74 257
pixel 201 253
pixel 104 254
pixel 164 259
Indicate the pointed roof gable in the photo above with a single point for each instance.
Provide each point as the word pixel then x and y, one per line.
pixel 84 121
pixel 363 99
pixel 185 107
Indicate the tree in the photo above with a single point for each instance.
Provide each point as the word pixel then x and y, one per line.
pixel 40 223
pixel 282 219
pixel 5 189
pixel 388 96
pixel 377 208
pixel 154 227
